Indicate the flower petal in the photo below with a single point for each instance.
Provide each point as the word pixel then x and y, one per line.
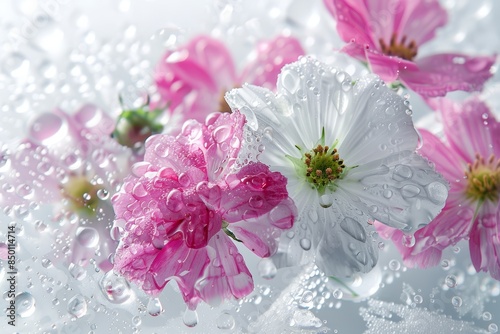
pixel 346 247
pixel 469 127
pixel 227 275
pixel 484 242
pixel 443 73
pixel 402 190
pixel 271 56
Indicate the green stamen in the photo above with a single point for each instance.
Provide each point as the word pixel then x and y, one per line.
pixel 484 179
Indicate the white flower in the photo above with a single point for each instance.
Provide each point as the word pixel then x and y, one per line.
pixel 348 150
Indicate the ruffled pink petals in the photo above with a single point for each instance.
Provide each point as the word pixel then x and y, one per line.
pixel 227 275
pixel 443 73
pixel 178 203
pixel 271 56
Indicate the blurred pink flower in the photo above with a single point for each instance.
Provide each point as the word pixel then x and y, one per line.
pixel 196 76
pixel 387 35
pixel 180 206
pixel 71 162
pixel 470 160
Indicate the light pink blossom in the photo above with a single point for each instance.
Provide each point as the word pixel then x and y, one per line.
pixel 183 203
pixel 71 162
pixel 194 78
pixel 469 159
pixel 388 34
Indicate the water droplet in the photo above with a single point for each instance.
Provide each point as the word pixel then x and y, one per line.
pixel 225 321
pixel 408 240
pixel 394 265
pixel 190 318
pixel 103 194
pixel 387 193
pixel 410 190
pixel 46 263
pixel 174 200
pixel 492 328
pixel 87 237
pixel 267 269
pixel 222 133
pixel 154 307
pixel 305 244
pixel 256 201
pixel 306 299
pixel 437 192
pixel 456 301
pixel 77 306
pixel 445 264
pixel 115 288
pixel 326 201
pixel 486 316
pixel 451 281
pixel 25 303
pixel 418 299
pixel 338 294
pixel 353 228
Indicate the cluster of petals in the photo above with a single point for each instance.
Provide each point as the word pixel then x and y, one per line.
pixel 70 160
pixel 181 206
pixel 388 34
pixel 383 178
pixel 193 78
pixel 471 140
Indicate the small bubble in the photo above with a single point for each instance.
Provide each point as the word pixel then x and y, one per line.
pixel 394 265
pixel 418 299
pixel 225 321
pixel 486 316
pixel 493 328
pixel 451 281
pixel 338 294
pixel 456 301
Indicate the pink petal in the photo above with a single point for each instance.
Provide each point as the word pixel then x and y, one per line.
pixel 443 73
pixel 470 128
pixel 418 20
pixel 203 67
pixel 176 261
pixel 447 161
pixel 227 275
pixel 484 240
pixel 253 191
pixel 388 68
pixel 223 137
pixel 353 21
pixel 271 56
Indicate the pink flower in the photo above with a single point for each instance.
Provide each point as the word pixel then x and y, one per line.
pixel 195 77
pixel 388 34
pixel 183 203
pixel 70 161
pixel 470 160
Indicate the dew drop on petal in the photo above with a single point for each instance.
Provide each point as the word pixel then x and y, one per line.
pixel 353 228
pixel 408 240
pixel 410 190
pixel 174 200
pixel 87 237
pixel 325 201
pixel 222 133
pixel 77 306
pixel 103 194
pixel 154 307
pixel 190 318
pixel 437 191
pixel 305 244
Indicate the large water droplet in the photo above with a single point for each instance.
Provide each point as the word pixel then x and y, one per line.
pixel 174 200
pixel 305 244
pixel 154 307
pixel 353 228
pixel 47 127
pixel 77 306
pixel 437 192
pixel 326 201
pixel 87 237
pixel 190 318
pixel 401 173
pixel 25 304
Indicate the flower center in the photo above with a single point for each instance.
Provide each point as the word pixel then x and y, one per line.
pixel 484 179
pixel 81 194
pixel 323 166
pixel 399 49
pixel 135 126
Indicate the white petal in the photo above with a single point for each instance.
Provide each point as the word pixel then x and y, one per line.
pixel 402 190
pixel 346 247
